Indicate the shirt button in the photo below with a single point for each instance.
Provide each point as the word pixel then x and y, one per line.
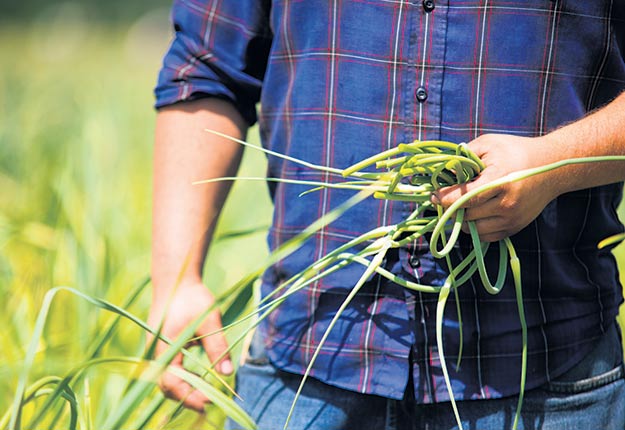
pixel 414 261
pixel 421 94
pixel 428 5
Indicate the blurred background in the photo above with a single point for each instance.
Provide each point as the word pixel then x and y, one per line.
pixel 76 129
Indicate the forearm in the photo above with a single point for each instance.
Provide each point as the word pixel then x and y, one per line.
pixel 184 215
pixel 600 133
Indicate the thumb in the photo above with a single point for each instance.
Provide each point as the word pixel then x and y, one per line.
pixel 215 344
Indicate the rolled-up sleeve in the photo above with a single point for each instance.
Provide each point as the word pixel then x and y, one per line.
pixel 220 49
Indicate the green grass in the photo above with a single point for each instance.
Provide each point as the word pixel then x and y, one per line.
pixel 76 129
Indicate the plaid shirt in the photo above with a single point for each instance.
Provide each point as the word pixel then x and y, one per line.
pixel 341 80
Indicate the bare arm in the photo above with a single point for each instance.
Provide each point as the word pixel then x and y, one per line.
pixel 504 211
pixel 183 220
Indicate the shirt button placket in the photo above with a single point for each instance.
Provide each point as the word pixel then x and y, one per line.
pixel 428 5
pixel 421 93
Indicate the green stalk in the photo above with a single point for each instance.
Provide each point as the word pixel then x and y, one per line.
pixel 515 265
pixel 276 154
pixel 481 266
pixel 611 240
pixel 440 310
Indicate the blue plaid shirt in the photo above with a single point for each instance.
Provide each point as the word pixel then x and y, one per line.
pixel 341 80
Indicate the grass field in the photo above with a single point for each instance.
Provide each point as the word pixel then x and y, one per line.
pixel 76 124
pixel 76 129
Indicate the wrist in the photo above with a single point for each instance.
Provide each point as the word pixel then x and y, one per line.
pixel 164 287
pixel 553 149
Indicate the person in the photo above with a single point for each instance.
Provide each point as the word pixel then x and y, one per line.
pixel 524 82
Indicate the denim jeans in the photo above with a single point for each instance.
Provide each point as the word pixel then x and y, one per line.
pixel 591 396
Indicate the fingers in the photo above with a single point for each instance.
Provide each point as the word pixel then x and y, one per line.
pixel 176 389
pixel 215 344
pixel 494 216
pixel 449 195
pixel 183 309
pixel 480 146
pixel 488 210
pixel 490 229
pixel 494 152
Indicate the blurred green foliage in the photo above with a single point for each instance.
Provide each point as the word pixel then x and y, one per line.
pixel 110 11
pixel 76 130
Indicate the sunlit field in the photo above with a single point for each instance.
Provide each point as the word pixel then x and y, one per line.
pixel 76 129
